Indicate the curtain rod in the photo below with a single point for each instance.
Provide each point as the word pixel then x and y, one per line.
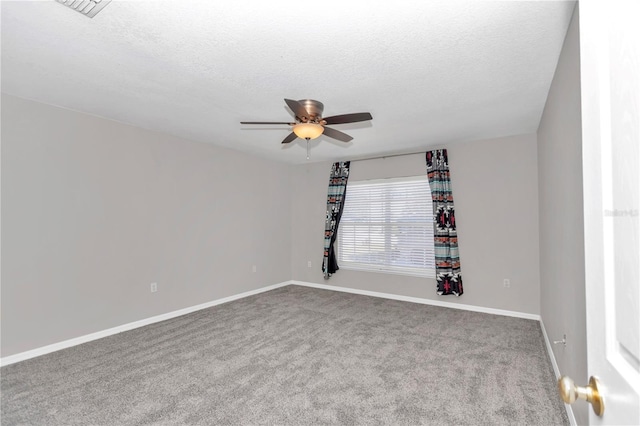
pixel 390 156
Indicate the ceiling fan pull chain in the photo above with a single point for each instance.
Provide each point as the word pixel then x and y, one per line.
pixel 307 148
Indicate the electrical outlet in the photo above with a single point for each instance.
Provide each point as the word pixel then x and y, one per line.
pixel 154 287
pixel 308 264
pixel 507 283
pixel 254 268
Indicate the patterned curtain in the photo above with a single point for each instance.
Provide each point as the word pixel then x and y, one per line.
pixel 335 202
pixel 449 279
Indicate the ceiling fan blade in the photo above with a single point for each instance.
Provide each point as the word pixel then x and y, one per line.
pixel 298 109
pixel 348 118
pixel 292 136
pixel 336 134
pixel 267 122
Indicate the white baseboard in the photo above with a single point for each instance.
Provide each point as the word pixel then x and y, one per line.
pixel 130 326
pixel 572 419
pixel 556 370
pixel 421 300
pixel 550 350
pixel 141 323
pixel 136 324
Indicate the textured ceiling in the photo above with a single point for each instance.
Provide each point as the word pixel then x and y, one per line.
pixel 430 72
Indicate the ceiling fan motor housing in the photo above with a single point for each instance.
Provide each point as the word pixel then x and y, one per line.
pixel 314 108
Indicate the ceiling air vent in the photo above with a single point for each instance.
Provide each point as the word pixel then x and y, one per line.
pixel 87 7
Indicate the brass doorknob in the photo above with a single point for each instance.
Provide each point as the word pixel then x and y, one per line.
pixel 570 393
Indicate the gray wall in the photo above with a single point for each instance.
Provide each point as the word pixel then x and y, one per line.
pixel 93 211
pixel 495 191
pixel 562 292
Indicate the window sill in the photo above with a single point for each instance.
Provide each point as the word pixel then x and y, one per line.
pixel 428 274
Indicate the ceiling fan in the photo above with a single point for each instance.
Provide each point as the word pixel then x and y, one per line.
pixel 309 123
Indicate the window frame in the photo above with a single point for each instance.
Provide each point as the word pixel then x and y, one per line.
pixel 429 272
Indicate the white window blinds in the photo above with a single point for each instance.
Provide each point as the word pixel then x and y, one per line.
pixel 387 226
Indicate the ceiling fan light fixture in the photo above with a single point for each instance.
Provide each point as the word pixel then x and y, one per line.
pixel 308 130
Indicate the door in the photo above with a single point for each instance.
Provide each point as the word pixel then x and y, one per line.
pixel 610 74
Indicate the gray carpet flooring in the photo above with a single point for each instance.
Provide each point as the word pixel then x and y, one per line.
pixel 296 356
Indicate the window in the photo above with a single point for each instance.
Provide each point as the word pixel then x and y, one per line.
pixel 387 226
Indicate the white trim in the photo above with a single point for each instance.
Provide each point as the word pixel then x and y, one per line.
pixel 141 323
pixel 130 326
pixel 421 300
pixel 367 267
pixel 556 370
pixel 12 359
pixel 412 178
pixel 552 357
